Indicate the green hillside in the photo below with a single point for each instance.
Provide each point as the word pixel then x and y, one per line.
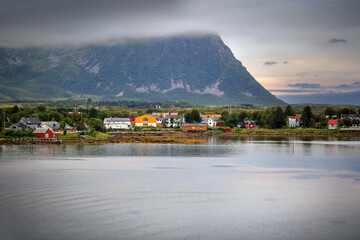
pixel 198 69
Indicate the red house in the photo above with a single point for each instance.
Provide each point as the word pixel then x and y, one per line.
pixel 219 124
pixel 227 130
pixel 44 133
pixel 249 124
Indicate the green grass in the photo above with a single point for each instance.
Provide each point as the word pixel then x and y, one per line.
pixel 75 136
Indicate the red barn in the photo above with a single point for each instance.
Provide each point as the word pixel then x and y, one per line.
pixel 249 124
pixel 44 133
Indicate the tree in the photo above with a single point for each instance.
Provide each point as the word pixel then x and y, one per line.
pixel 277 118
pixel 15 109
pixel 97 124
pixel 306 116
pixel 41 108
pixel 289 111
pixel 193 116
pixel 242 116
pixel 93 113
pixel 330 111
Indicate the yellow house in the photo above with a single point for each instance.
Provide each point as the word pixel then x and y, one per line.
pixel 146 120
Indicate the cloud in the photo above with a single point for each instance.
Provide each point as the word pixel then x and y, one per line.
pixel 270 63
pixel 302 86
pixel 285 62
pixel 292 90
pixel 337 40
pixel 305 85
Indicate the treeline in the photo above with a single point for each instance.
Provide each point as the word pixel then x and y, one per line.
pixel 121 104
pixel 275 117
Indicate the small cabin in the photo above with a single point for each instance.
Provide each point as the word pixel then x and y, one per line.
pixel 227 130
pixel 249 124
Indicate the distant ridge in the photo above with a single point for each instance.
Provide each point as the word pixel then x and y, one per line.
pixel 351 98
pixel 200 69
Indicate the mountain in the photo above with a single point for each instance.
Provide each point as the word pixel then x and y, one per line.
pixel 199 69
pixel 351 98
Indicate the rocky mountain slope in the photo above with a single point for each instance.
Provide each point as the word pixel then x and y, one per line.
pixel 200 69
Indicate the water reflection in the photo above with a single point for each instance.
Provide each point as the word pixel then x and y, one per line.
pixel 228 188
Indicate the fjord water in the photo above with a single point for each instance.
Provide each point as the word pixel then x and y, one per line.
pixel 227 188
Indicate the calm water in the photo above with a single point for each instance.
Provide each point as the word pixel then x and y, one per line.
pixel 228 188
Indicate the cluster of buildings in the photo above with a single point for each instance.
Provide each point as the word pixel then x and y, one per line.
pixel 47 129
pixel 170 120
pixel 50 129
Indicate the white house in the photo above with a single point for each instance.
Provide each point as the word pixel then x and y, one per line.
pixel 333 123
pixel 117 123
pixel 172 120
pixel 210 121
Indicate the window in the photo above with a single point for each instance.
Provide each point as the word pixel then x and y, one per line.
pixel 145 120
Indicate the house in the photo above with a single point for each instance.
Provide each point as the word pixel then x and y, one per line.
pixel 69 129
pixel 158 114
pixel 172 121
pixel 117 123
pixel 293 121
pixel 146 120
pixel 333 123
pixel 210 121
pixel 249 124
pixel 51 124
pixel 219 124
pixel 30 122
pixel 210 115
pixel 44 133
pixel 350 116
pixel 194 127
pixel 227 130
pixel 18 127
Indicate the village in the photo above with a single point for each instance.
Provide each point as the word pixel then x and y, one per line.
pixel 189 121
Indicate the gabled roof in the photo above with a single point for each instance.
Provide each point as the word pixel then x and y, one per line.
pixel 41 130
pixel 117 119
pixel 51 124
pixel 30 120
pixel 332 121
pixel 249 121
pixel 195 124
pixel 67 126
pixel 19 125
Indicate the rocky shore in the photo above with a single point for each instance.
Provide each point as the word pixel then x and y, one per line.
pixel 165 137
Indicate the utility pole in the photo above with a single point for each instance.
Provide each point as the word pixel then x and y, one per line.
pixel 3 119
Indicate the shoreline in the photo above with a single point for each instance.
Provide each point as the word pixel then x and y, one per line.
pixel 170 137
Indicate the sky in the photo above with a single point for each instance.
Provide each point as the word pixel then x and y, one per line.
pixel 289 46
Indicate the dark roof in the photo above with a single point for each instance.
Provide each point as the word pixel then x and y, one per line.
pixel 194 124
pixel 67 126
pixel 52 124
pixel 30 120
pixel 117 119
pixel 249 121
pixel 349 115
